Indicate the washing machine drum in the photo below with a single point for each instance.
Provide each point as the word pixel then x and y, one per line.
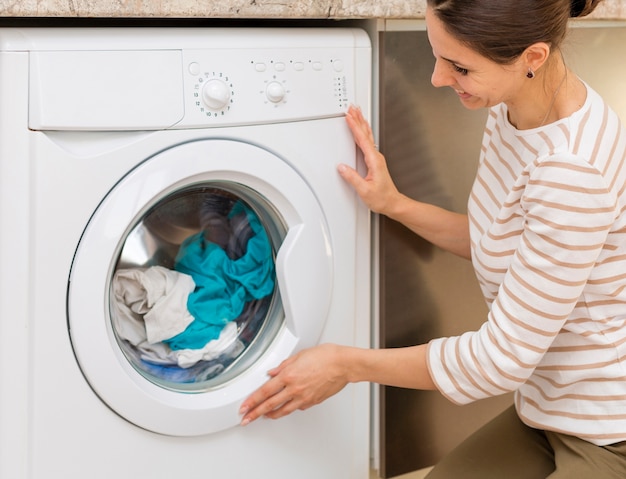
pixel 201 269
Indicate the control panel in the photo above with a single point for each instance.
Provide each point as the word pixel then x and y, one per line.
pixel 241 87
pixel 213 79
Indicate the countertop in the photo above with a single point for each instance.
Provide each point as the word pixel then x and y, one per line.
pixel 249 9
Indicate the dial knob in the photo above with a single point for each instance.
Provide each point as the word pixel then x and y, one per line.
pixel 216 94
pixel 275 92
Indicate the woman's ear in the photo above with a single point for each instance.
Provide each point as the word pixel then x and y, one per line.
pixel 535 56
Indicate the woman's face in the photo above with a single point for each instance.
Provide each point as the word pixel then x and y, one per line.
pixel 478 81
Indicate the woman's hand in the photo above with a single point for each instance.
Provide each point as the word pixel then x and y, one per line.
pixel 377 189
pixel 446 229
pixel 299 382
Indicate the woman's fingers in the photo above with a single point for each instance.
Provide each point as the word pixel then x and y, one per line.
pixel 377 189
pixel 361 128
pixel 300 382
pixel 267 398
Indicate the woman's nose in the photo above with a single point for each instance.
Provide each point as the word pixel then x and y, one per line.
pixel 441 75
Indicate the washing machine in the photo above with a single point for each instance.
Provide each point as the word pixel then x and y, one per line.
pixel 172 226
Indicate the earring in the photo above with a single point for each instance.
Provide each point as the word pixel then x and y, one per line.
pixel 530 74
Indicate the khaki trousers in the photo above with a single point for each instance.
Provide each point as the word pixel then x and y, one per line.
pixel 506 448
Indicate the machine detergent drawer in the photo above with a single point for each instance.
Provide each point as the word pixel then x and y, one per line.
pixel 105 90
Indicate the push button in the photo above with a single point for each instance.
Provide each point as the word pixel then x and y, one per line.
pixel 338 65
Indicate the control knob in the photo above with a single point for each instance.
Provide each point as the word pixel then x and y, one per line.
pixel 216 94
pixel 275 92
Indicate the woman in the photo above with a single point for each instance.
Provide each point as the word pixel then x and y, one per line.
pixel 546 233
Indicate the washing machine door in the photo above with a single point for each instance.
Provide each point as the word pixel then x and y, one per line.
pixel 202 268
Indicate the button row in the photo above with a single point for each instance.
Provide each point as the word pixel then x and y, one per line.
pixel 337 66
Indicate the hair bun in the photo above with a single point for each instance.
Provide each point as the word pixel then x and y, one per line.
pixel 577 7
pixel 582 8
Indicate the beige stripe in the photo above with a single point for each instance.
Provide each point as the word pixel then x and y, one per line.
pixel 532 310
pixel 548 142
pixel 540 293
pixel 590 347
pixel 565 130
pixel 569 166
pixel 498 178
pixel 601 334
pixel 528 146
pixel 485 267
pixel 511 234
pixel 581 130
pixel 557 385
pixel 608 279
pixel 509 147
pixel 600 135
pixel 569 208
pixel 475 223
pixel 580 367
pixel 482 208
pixel 483 373
pixel 513 339
pixel 488 191
pixel 542 273
pixel 455 383
pixel 552 259
pixel 617 176
pixel 522 324
pixel 512 217
pixel 508 353
pixel 601 302
pixel 563 186
pixel 575 397
pixel 569 247
pixel 612 259
pixel 572 415
pixel 571 228
pixel 466 373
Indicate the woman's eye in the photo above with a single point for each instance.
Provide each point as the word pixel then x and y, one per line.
pixel 458 69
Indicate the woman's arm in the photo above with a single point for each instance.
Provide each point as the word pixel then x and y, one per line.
pixel 315 374
pixel 445 229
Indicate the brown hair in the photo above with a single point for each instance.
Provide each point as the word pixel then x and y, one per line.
pixel 502 29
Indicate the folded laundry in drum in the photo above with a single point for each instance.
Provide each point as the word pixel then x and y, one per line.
pixel 227 275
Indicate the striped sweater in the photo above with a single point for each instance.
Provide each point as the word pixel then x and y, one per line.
pixel 547 216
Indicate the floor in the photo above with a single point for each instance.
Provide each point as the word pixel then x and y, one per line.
pixel 412 475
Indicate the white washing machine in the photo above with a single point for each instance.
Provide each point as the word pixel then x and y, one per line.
pixel 172 226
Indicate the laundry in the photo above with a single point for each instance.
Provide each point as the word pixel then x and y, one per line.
pixel 174 319
pixel 226 279
pixel 151 304
pixel 226 347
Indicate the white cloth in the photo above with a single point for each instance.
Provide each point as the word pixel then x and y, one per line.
pixel 226 343
pixel 151 304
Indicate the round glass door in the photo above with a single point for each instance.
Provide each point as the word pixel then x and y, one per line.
pixel 194 300
pixel 203 268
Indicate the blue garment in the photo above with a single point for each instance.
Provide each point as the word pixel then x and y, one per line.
pixel 223 285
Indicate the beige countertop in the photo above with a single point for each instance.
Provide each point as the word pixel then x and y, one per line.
pixel 274 9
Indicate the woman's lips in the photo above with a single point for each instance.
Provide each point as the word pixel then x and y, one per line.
pixel 463 94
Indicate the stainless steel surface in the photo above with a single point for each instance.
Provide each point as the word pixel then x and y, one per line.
pixel 432 146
